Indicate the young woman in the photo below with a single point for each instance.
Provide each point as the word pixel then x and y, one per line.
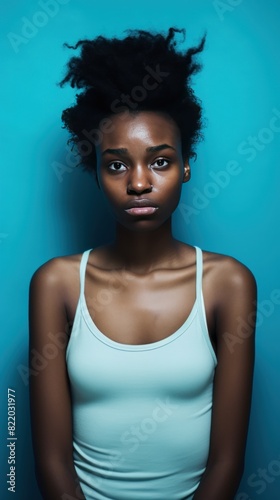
pixel 148 395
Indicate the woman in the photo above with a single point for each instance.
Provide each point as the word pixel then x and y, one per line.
pixel 148 397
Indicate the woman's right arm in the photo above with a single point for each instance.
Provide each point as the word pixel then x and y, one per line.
pixel 50 399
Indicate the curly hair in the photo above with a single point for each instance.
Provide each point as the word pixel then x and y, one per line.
pixel 141 72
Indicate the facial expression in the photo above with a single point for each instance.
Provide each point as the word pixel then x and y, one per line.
pixel 140 169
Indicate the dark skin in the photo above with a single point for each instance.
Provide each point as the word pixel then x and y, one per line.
pixel 153 274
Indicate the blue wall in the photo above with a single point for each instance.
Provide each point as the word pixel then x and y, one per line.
pixel 230 206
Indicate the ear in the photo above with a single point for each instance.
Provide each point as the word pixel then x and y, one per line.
pixel 187 171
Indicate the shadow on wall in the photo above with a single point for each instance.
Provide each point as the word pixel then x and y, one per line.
pixel 81 217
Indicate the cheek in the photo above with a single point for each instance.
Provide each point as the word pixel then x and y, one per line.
pixel 172 187
pixel 175 193
pixel 175 198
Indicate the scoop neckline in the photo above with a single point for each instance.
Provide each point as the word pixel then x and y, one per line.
pixel 136 347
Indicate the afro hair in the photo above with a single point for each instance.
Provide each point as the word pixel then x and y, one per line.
pixel 142 72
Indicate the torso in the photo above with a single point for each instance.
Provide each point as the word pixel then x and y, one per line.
pixel 140 309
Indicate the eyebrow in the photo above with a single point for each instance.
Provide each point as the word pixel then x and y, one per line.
pixel 151 149
pixel 154 149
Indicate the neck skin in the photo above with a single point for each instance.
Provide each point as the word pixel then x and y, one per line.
pixel 141 252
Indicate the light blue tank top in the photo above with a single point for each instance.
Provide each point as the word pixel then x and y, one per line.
pixel 141 413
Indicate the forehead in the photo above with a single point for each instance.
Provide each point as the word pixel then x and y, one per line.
pixel 149 128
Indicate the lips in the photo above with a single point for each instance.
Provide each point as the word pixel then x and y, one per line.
pixel 141 206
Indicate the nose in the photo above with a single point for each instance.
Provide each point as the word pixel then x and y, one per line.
pixel 139 180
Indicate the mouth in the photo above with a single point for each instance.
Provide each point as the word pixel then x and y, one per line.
pixel 141 206
pixel 141 210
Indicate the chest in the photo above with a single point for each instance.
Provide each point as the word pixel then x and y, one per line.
pixel 140 310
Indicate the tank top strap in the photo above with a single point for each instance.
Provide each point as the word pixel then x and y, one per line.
pixel 83 265
pixel 199 272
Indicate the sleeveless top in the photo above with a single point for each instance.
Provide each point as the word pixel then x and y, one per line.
pixel 141 413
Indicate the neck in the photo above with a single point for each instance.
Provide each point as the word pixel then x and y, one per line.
pixel 141 252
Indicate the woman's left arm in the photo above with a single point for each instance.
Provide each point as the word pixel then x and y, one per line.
pixel 235 313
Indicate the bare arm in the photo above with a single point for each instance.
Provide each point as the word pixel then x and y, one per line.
pixel 49 387
pixel 235 325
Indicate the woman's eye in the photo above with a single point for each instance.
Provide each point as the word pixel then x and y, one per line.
pixel 117 166
pixel 160 163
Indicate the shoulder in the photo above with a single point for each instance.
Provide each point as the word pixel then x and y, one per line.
pixel 228 275
pixel 227 269
pixel 56 272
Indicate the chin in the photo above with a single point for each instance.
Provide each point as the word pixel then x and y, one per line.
pixel 142 225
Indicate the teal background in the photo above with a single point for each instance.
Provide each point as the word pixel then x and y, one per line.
pixel 45 215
